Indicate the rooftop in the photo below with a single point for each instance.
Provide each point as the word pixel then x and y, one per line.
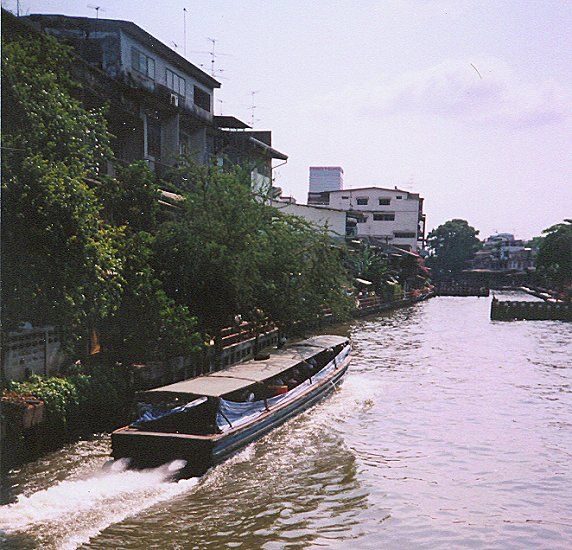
pixel 90 24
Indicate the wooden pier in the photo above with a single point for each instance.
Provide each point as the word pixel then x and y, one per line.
pixel 531 311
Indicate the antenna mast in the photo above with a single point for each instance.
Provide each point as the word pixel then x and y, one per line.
pixel 96 8
pixel 253 107
pixel 185 31
pixel 213 56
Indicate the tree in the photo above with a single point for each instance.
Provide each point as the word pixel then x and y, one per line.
pixel 77 246
pixel 231 253
pixel 554 260
pixel 452 245
pixel 60 260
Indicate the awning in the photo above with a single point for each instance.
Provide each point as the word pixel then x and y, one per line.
pixel 363 282
pixel 246 374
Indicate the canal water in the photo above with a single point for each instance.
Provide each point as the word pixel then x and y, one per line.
pixel 449 431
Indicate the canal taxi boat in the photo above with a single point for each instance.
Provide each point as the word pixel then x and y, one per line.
pixel 204 420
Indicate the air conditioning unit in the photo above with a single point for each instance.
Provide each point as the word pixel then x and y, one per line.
pixel 174 100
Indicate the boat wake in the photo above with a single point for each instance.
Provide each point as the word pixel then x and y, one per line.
pixel 68 514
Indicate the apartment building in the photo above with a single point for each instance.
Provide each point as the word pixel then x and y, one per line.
pixel 161 105
pixel 390 216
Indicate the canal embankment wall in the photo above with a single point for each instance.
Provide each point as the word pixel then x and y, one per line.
pixel 509 310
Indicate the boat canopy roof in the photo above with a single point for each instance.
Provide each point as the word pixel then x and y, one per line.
pixel 245 374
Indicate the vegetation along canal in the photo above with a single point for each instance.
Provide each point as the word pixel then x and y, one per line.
pixel 449 431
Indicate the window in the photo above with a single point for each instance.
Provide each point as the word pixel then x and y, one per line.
pixel 202 99
pixel 153 135
pixel 399 197
pixel 385 217
pixel 384 202
pixel 362 220
pixel 175 82
pixel 404 235
pixel 362 201
pixel 143 63
pixel 345 196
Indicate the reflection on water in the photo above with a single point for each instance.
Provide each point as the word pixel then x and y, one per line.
pixel 450 430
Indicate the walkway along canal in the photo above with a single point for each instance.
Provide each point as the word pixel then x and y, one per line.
pixel 450 430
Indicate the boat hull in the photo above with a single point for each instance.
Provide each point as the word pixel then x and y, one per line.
pixel 151 449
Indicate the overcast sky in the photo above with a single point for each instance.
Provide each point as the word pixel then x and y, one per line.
pixel 467 103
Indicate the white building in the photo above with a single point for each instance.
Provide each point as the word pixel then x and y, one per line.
pixel 326 178
pixel 392 216
pixel 334 220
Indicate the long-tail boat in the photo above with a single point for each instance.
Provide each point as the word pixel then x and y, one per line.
pixel 204 420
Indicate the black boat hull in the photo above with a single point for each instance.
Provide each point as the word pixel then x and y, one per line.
pixel 152 449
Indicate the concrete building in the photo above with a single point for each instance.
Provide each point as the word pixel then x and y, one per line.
pixel 391 216
pixel 330 218
pixel 325 178
pixel 161 105
pixel 502 252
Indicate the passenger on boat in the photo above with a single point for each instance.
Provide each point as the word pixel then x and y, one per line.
pixel 294 379
pixel 309 367
pixel 247 396
pixel 276 386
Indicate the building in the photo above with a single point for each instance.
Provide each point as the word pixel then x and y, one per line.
pixel 325 178
pixel 161 105
pixel 390 216
pixel 502 252
pixel 330 218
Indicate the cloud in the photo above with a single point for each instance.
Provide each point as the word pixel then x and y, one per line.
pixel 477 91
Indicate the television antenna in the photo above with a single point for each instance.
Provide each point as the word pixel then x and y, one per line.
pixel 185 32
pixel 96 8
pixel 253 107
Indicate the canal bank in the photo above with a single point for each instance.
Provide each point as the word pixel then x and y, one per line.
pixel 99 398
pixel 450 430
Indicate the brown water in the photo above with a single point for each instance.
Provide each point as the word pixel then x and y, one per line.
pixel 449 431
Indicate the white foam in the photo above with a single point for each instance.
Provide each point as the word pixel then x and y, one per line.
pixel 68 514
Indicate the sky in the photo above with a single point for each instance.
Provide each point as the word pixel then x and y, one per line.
pixel 467 103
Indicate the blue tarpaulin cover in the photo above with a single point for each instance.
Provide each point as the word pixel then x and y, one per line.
pixel 240 413
pixel 154 413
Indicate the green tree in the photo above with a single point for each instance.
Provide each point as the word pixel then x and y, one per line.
pixel 60 260
pixel 451 245
pixel 147 324
pixel 230 253
pixel 554 260
pixel 302 273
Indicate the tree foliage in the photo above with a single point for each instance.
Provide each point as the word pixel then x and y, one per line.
pixel 554 260
pixel 230 253
pixel 60 262
pixel 451 245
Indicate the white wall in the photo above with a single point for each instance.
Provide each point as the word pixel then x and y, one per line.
pixel 406 210
pixel 334 219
